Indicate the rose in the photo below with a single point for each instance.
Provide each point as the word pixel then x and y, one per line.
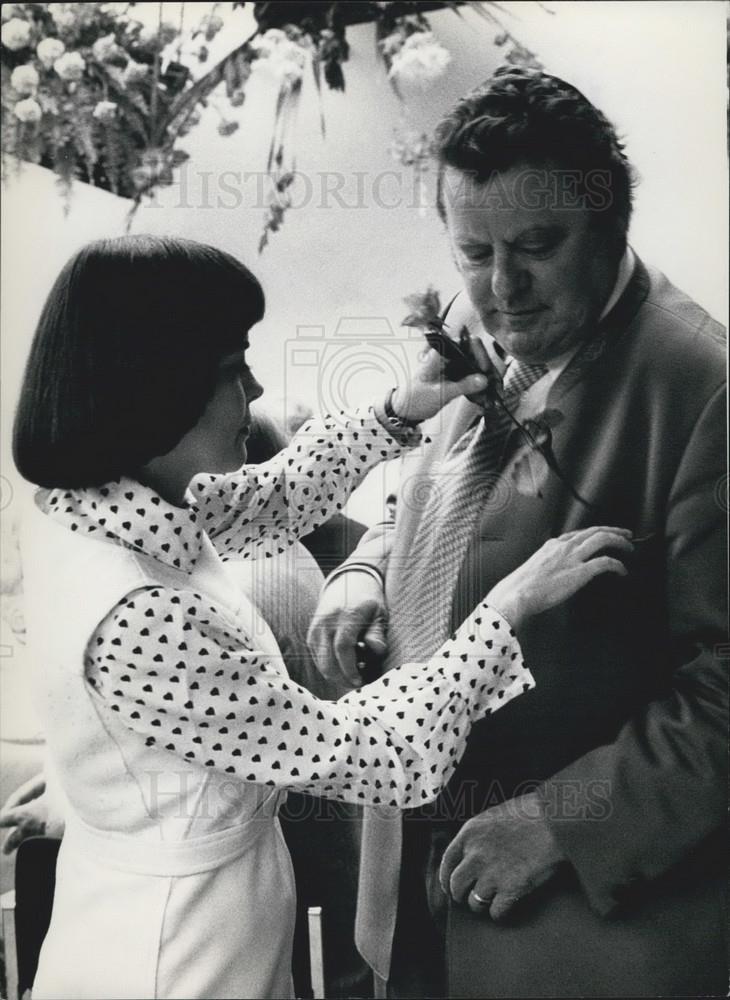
pixel 28 110
pixel 48 50
pixel 25 79
pixel 281 56
pixel 266 44
pixel 105 49
pixel 421 59
pixel 63 15
pixel 105 111
pixel 70 66
pixel 15 34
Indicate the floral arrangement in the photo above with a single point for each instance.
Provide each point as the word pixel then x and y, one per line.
pixel 95 95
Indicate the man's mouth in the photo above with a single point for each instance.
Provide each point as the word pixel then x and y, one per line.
pixel 521 312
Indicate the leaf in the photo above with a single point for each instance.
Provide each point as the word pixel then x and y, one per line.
pixel 206 84
pixel 528 471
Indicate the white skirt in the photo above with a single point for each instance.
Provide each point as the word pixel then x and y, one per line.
pixel 209 917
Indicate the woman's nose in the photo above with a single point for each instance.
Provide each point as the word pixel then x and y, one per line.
pixel 254 390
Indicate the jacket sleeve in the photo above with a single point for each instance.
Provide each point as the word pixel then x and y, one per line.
pixel 372 551
pixel 664 777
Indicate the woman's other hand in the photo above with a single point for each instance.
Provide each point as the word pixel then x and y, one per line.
pixel 559 568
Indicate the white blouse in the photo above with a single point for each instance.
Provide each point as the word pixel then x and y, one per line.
pixel 186 675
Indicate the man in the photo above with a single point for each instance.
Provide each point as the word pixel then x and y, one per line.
pixel 580 839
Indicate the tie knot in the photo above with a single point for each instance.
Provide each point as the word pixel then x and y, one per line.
pixel 520 376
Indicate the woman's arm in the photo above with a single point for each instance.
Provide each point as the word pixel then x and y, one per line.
pixel 226 704
pixel 262 509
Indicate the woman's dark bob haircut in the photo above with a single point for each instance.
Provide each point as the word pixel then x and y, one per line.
pixel 125 356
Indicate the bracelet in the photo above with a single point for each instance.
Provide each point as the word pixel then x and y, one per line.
pixel 398 423
pixel 356 567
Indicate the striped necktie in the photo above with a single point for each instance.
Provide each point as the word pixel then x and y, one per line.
pixel 461 488
pixel 420 616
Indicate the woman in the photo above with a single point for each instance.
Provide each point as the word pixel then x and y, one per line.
pixel 171 723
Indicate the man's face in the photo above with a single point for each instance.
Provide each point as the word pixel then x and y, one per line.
pixel 538 275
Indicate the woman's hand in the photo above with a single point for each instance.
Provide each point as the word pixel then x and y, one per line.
pixel 559 568
pixel 428 391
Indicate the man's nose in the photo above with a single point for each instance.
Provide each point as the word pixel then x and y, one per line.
pixel 254 390
pixel 509 280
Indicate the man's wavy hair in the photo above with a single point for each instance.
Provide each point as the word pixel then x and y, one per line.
pixel 526 117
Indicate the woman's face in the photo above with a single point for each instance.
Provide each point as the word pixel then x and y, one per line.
pixel 217 443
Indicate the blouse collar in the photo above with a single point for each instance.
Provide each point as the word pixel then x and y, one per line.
pixel 132 515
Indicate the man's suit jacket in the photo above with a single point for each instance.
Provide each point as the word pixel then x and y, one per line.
pixel 626 731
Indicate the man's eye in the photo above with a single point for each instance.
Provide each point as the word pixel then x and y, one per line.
pixel 538 249
pixel 478 254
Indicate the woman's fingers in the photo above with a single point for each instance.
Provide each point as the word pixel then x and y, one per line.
pixel 479 353
pixel 465 386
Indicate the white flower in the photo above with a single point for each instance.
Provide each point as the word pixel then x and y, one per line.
pixel 280 56
pixel 28 110
pixel 25 79
pixel 105 111
pixel 62 15
pixel 421 59
pixel 268 41
pixel 70 66
pixel 50 49
pixel 104 48
pixel 15 34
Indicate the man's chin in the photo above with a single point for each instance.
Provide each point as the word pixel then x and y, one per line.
pixel 528 347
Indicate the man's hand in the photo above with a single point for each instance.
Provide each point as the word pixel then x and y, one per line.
pixel 500 856
pixel 350 604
